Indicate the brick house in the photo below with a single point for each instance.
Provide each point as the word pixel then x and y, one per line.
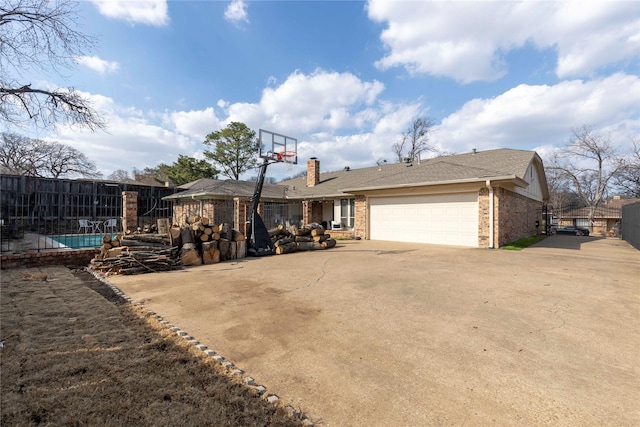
pixel 605 220
pixel 480 199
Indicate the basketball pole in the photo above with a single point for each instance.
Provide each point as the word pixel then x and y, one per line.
pixel 260 243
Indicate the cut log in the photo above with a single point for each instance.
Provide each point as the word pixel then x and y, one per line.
pixel 283 241
pixel 293 230
pixel 106 238
pixel 287 248
pixel 204 221
pixel 237 236
pixel 241 251
pixel 210 252
pixel 213 244
pixel 190 256
pixel 277 231
pixel 186 235
pixel 193 219
pixel 329 243
pixel 204 237
pixel 304 239
pixel 225 231
pixel 307 246
pixel 317 231
pixel 211 257
pixel 174 236
pixel 208 231
pixel 225 249
pixel 321 238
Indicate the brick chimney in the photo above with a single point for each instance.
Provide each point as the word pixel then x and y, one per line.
pixel 313 172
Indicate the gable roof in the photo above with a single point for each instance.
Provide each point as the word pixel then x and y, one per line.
pixel 500 164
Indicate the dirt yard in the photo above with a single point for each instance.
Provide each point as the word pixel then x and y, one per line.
pixel 380 334
pixel 71 356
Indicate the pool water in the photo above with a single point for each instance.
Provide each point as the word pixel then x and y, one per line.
pixel 79 241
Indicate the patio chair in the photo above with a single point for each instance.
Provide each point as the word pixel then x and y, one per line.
pixel 85 226
pixel 110 225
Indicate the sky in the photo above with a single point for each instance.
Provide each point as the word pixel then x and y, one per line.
pixel 346 78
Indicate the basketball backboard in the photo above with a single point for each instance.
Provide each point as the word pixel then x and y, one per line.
pixel 277 147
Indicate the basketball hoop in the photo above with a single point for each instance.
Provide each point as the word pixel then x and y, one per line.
pixel 287 157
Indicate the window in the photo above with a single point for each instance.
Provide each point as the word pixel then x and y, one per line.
pixel 347 212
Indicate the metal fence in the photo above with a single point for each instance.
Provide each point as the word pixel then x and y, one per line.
pixel 631 224
pixel 276 213
pixel 43 212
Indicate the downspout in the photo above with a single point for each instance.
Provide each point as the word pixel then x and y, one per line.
pixel 491 230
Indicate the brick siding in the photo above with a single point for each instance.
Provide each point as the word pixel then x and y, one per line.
pixel 515 217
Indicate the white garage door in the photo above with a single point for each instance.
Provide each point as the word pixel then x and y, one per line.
pixel 450 219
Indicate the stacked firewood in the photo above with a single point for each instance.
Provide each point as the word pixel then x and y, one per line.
pixel 204 243
pixel 306 238
pixel 135 254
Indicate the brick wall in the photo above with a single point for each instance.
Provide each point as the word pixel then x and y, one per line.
pixel 516 216
pixel 39 259
pixel 483 218
pixel 130 210
pixel 360 219
pixel 311 212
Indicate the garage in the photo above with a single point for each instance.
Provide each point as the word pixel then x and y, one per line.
pixel 447 219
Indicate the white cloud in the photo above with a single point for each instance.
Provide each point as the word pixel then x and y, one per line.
pixel 98 64
pixel 341 120
pixel 535 116
pixel 194 124
pixel 148 12
pixel 467 41
pixel 307 102
pixel 236 12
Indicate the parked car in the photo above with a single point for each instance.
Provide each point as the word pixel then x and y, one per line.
pixel 574 231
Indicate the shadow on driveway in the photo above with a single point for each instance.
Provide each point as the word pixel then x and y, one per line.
pixel 558 241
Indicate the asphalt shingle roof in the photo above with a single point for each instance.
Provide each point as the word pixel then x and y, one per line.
pixel 491 164
pixel 500 163
pixel 228 189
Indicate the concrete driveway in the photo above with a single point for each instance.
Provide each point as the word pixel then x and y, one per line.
pixel 380 334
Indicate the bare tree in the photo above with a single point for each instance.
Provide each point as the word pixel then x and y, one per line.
pixel 415 140
pixel 588 162
pixel 35 157
pixel 41 35
pixel 627 181
pixel 119 175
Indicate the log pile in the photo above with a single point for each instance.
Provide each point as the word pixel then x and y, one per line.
pixel 203 243
pixel 309 237
pixel 135 254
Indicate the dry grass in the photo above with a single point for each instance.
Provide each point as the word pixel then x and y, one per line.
pixel 71 357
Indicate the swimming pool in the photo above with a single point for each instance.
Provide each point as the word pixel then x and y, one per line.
pixel 78 241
